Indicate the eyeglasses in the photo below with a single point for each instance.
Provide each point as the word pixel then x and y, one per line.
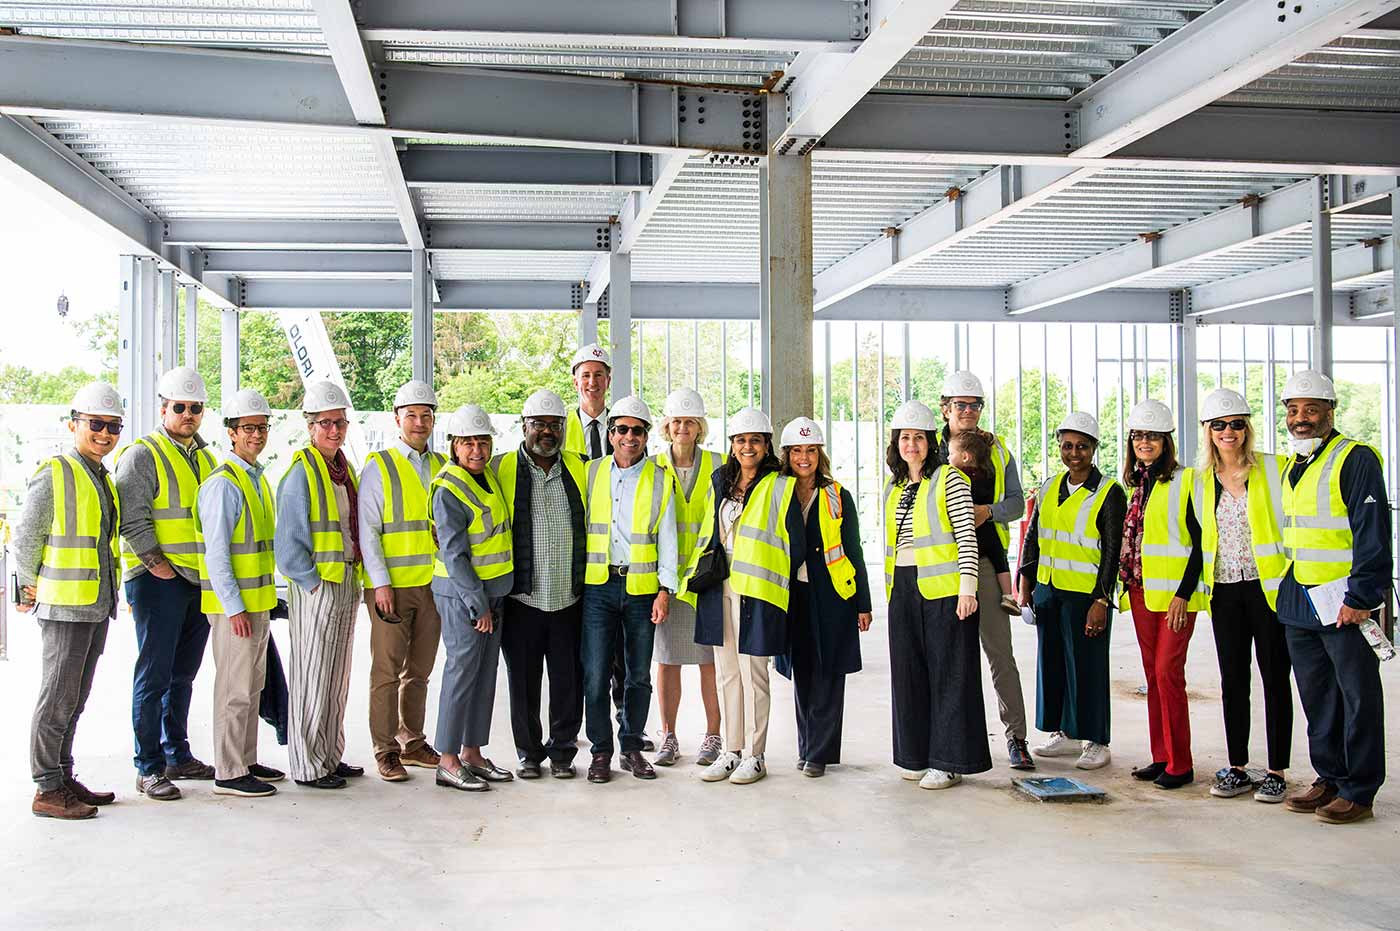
pixel 249 429
pixel 622 429
pixel 552 424
pixel 340 424
pixel 194 407
pixel 113 427
pixel 1150 436
pixel 965 406
pixel 1238 424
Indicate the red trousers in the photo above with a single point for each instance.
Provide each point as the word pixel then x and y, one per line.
pixel 1164 663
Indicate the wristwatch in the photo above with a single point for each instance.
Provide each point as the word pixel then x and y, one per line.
pixel 667 590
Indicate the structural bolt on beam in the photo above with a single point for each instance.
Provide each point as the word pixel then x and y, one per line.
pixel 890 231
pixel 1252 200
pixel 751 122
pixel 577 293
pixel 604 238
pixel 953 193
pixel 860 19
pixel 1150 237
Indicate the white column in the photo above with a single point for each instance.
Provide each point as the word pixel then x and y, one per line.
pixel 192 325
pixel 169 346
pixel 1186 403
pixel 588 324
pixel 137 339
pixel 1322 278
pixel 620 325
pixel 422 318
pixel 786 272
pixel 230 363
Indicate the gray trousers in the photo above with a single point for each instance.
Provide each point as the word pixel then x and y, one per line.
pixel 468 675
pixel 995 625
pixel 71 651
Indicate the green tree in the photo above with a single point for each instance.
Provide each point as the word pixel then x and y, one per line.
pixel 1035 429
pixel 21 385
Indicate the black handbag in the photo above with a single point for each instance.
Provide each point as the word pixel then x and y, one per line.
pixel 711 569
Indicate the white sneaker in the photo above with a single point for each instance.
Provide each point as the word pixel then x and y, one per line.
pixel 913 775
pixel 722 768
pixel 1095 756
pixel 751 770
pixel 938 779
pixel 1059 744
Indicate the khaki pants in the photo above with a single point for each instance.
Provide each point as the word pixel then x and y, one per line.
pixel 240 666
pixel 401 660
pixel 743 687
pixel 994 625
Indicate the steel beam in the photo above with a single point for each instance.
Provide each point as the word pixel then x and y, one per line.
pixel 308 263
pixel 559 236
pixel 1296 310
pixel 637 212
pixel 298 235
pixel 1349 265
pixel 516 166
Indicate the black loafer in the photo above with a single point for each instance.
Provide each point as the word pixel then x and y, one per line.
pixel 328 781
pixel 529 769
pixel 346 771
pixel 1169 781
pixel 1150 772
pixel 814 770
pixel 562 769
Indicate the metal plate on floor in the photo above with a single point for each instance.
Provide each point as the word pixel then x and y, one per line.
pixel 1059 789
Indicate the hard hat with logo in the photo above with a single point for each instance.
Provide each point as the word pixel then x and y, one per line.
pixel 415 392
pixel 1080 422
pixel 182 384
pixel 470 420
pixel 324 395
pixel 1151 415
pixel 750 420
pixel 962 385
pixel 913 415
pixel 1309 383
pixel 100 398
pixel 684 402
pixel 543 403
pixel 246 403
pixel 1222 402
pixel 591 353
pixel 802 431
pixel 630 406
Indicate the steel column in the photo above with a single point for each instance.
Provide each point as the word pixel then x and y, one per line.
pixel 908 373
pixel 421 319
pixel 1270 401
pixel 620 327
pixel 137 344
pixel 826 380
pixel 1395 362
pixel 230 359
pixel 192 325
pixel 169 323
pixel 786 268
pixel 1322 277
pixel 1186 406
pixel 588 323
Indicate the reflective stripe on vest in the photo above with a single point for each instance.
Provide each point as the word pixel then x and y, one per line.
pixel 1166 546
pixel 838 565
pixel 1069 536
pixel 1263 508
pixel 70 565
pixel 935 546
pixel 172 508
pixel 327 538
pixel 1316 531
pixel 648 505
pixel 406 537
pixel 250 545
pixel 506 465
pixel 489 545
pixel 762 563
pixel 690 512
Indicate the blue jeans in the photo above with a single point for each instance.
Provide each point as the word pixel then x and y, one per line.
pixel 609 613
pixel 171 633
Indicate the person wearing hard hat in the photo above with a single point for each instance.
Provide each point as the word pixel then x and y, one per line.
pixel 397 547
pixel 1336 531
pixel 158 478
pixel 830 601
pixel 631 573
pixel 473 571
pixel 962 403
pixel 234 517
pixel 543 487
pixel 1238 493
pixel 1160 568
pixel 931 571
pixel 586 432
pixel 1069 568
pixel 690 468
pixel 316 543
pixel 65 552
pixel 738 580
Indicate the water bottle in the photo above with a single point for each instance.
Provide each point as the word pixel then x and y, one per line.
pixel 1377 639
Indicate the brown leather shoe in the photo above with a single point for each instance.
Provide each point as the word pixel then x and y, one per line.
pixel 1318 794
pixel 636 764
pixel 600 770
pixel 190 769
pixel 391 768
pixel 61 803
pixel 424 756
pixel 88 797
pixel 1341 811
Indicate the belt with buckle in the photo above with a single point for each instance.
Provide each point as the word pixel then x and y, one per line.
pixel 618 571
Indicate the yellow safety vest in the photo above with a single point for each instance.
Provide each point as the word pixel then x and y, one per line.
pixel 1068 534
pixel 406 537
pixel 690 512
pixel 935 546
pixel 1166 546
pixel 250 546
pixel 762 563
pixel 70 564
pixel 172 509
pixel 648 505
pixel 489 544
pixel 838 564
pixel 327 540
pixel 1316 531
pixel 575 440
pixel 505 466
pixel 1263 507
pixel 1001 456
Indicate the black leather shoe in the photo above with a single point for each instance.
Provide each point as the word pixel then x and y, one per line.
pixel 190 769
pixel 1150 772
pixel 600 770
pixel 636 764
pixel 491 772
pixel 346 771
pixel 528 769
pixel 814 770
pixel 1168 781
pixel 1019 754
pixel 648 745
pixel 328 781
pixel 562 769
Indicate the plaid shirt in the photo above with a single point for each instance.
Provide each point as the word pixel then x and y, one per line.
pixel 553 543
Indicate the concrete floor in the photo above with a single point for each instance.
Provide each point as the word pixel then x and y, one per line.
pixel 859 848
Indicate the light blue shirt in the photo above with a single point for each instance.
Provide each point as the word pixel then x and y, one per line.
pixel 219 506
pixel 624 492
pixel 371 504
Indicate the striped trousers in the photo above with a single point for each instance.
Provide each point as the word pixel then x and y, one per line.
pixel 322 627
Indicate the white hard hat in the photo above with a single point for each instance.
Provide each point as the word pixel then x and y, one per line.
pixel 1080 422
pixel 98 397
pixel 750 420
pixel 1151 415
pixel 1222 402
pixel 324 395
pixel 962 385
pixel 470 420
pixel 1309 383
pixel 182 384
pixel 802 431
pixel 684 402
pixel 591 353
pixel 630 406
pixel 543 403
pixel 246 403
pixel 913 415
pixel 415 392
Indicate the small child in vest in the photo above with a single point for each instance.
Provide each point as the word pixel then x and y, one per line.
pixel 971 452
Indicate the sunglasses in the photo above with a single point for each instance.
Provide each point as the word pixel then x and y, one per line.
pixel 1217 426
pixel 623 429
pixel 1149 435
pixel 194 407
pixel 113 427
pixel 964 406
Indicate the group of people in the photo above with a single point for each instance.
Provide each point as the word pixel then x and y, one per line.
pixel 580 554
